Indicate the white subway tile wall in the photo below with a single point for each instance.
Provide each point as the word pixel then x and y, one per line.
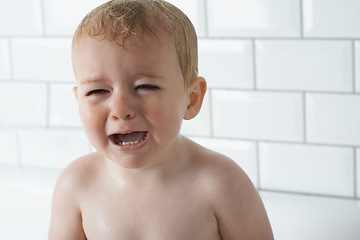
pixel 21 18
pixel 333 119
pixel 23 104
pixel 257 18
pixel 302 65
pixel 283 98
pixel 331 19
pixel 258 115
pixel 63 109
pixel 42 59
pixel 310 169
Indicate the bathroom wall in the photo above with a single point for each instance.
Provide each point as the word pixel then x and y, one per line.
pixel 283 94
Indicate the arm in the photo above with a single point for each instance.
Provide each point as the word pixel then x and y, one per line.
pixel 239 209
pixel 66 222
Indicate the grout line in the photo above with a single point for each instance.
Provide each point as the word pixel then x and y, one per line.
pixel 40 81
pixel 254 64
pixel 308 194
pixel 249 37
pixel 355 174
pixel 302 19
pixel 300 91
pixel 354 65
pixel 43 18
pixel 258 164
pixel 48 92
pixel 19 163
pixel 11 59
pixel 304 117
pixel 64 36
pixel 211 114
pixel 276 141
pixel 206 16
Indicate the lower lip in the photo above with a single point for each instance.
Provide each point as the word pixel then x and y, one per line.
pixel 129 148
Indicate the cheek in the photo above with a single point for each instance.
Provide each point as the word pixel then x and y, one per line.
pixel 91 119
pixel 167 115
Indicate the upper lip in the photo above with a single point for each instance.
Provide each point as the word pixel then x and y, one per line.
pixel 126 132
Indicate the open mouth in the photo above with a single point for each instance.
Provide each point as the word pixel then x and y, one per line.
pixel 131 138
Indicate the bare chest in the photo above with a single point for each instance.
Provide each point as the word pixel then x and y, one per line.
pixel 177 216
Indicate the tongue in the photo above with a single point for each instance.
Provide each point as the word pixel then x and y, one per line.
pixel 131 137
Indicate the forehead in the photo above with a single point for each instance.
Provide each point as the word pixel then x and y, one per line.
pixel 96 55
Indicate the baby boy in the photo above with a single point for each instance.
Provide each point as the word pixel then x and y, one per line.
pixel 135 62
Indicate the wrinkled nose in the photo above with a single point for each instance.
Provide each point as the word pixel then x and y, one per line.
pixel 122 108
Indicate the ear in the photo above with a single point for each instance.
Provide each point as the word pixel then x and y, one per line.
pixel 196 93
pixel 75 92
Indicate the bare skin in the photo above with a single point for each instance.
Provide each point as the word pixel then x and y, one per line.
pixel 147 182
pixel 206 197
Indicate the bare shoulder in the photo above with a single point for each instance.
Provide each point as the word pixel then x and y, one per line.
pixel 66 221
pixel 78 172
pixel 236 203
pixel 219 169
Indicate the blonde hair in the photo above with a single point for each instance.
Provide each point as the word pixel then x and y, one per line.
pixel 125 22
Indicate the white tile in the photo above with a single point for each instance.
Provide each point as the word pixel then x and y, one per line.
pixel 357 65
pixel 57 24
pixel 45 59
pixel 300 217
pixel 304 65
pixel 200 125
pixel 195 11
pixel 336 18
pixel 51 148
pixel 258 115
pixel 254 18
pixel 307 169
pixel 8 147
pixel 4 59
pixel 63 106
pixel 20 17
pixel 23 104
pixel 333 119
pixel 242 152
pixel 358 171
pixel 227 63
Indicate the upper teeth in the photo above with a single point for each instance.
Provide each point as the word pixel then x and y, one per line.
pixel 132 143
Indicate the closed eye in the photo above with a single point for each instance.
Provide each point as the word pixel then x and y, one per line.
pixel 147 87
pixel 97 92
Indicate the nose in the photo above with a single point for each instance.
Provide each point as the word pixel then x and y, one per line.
pixel 122 107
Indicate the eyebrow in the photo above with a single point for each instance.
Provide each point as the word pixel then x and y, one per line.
pixel 142 75
pixel 97 79
pixel 93 79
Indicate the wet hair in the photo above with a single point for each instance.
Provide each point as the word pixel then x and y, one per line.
pixel 126 22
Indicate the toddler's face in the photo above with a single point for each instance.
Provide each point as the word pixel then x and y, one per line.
pixel 131 100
